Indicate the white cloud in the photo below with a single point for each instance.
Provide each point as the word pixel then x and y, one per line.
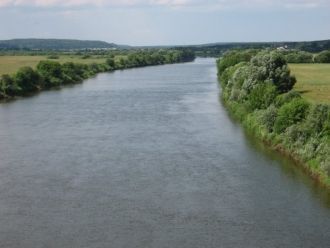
pixel 169 3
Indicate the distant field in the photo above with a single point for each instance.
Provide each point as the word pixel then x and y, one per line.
pixel 313 81
pixel 10 64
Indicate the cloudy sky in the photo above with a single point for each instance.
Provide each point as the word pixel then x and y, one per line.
pixel 163 22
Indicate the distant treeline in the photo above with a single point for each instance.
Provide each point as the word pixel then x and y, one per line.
pixel 207 50
pixel 306 57
pixel 49 74
pixel 257 88
pixel 217 49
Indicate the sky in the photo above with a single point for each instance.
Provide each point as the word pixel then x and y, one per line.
pixel 166 22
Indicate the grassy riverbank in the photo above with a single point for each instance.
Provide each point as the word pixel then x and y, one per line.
pixel 62 70
pixel 10 64
pixel 258 89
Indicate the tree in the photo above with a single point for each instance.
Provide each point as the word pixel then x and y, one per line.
pixel 51 73
pixel 323 57
pixel 273 67
pixel 111 62
pixel 27 80
pixel 291 113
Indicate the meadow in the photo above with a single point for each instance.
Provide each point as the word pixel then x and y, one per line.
pixel 9 64
pixel 313 81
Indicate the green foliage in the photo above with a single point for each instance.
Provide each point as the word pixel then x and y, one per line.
pixel 291 113
pixel 272 66
pixel 259 93
pixel 50 74
pixel 323 57
pixel 262 96
pixel 86 56
pixel 53 56
pixel 27 80
pixel 298 57
pixel 286 98
pixel 232 58
pixel 318 120
pixel 110 62
pixel 268 117
pixel 8 87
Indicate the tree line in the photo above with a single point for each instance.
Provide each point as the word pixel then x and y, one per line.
pixel 257 87
pixel 49 74
pixel 297 56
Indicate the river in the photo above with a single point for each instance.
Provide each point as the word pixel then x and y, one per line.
pixel 147 157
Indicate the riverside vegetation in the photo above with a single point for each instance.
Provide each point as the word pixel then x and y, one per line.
pixel 257 88
pixel 49 73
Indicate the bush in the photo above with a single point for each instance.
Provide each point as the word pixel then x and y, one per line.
pixel 8 86
pixel 291 113
pixel 234 57
pixel 268 117
pixel 286 97
pixel 318 119
pixel 27 80
pixel 110 62
pixel 51 73
pixel 299 57
pixel 323 57
pixel 262 96
pixel 53 57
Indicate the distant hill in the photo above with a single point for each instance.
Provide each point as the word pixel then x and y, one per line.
pixel 56 44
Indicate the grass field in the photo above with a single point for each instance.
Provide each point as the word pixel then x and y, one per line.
pixel 313 81
pixel 10 64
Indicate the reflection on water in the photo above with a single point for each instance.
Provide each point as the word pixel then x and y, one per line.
pixel 147 158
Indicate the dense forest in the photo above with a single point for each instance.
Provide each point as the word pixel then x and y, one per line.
pixel 257 88
pixel 49 73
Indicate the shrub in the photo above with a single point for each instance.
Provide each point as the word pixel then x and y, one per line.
pixel 53 57
pixel 262 96
pixel 286 97
pixel 299 57
pixel 268 117
pixel 291 113
pixel 27 80
pixel 323 57
pixel 232 58
pixel 8 86
pixel 318 119
pixel 51 73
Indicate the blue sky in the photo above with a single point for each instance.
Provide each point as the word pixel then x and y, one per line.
pixel 166 22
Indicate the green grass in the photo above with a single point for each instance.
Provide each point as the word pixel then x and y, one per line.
pixel 10 64
pixel 313 81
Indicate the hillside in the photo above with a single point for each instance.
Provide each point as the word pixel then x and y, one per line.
pixel 55 44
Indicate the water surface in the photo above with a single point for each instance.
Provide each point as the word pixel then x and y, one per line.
pixel 144 158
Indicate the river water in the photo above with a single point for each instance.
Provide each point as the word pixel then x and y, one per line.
pixel 145 158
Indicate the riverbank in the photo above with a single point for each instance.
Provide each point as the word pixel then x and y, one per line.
pixel 257 91
pixel 49 74
pixel 253 128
